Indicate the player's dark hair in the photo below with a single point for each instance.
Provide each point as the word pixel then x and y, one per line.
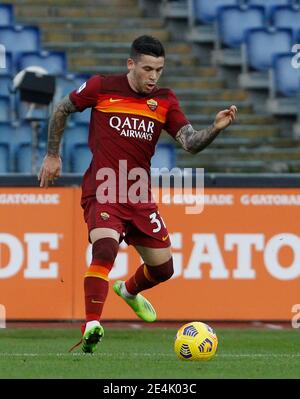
pixel 146 45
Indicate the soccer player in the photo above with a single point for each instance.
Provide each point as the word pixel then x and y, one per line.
pixel 128 114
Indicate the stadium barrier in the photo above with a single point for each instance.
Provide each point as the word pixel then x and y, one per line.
pixel 237 260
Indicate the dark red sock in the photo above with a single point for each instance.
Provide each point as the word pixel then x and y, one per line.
pixel 96 290
pixel 96 278
pixel 147 277
pixel 138 282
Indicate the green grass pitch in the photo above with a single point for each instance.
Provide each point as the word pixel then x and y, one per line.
pixel 147 353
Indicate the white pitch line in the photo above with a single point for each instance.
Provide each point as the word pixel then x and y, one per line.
pixel 102 354
pixel 259 355
pixel 267 325
pixel 136 326
pixel 274 326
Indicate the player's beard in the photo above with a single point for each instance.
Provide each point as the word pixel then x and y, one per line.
pixel 149 87
pixel 146 87
pixel 143 85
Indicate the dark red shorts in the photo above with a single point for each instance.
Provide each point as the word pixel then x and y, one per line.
pixel 139 224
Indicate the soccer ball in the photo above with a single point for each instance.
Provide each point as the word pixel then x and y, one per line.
pixel 195 341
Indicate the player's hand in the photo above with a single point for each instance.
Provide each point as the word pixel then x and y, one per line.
pixel 50 170
pixel 225 118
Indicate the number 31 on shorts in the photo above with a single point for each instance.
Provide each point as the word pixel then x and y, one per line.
pixel 154 219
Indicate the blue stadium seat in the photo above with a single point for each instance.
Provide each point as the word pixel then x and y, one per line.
pixel 43 132
pixel 233 21
pixel 65 84
pixel 18 39
pixel 262 44
pixel 22 134
pixel 24 159
pixel 269 5
pixel 164 156
pixel 55 62
pixel 5 139
pixel 6 15
pixel 5 83
pixel 206 11
pixel 286 78
pixel 15 135
pixel 80 158
pixel 73 135
pixel 5 133
pixel 4 158
pixel 82 117
pixel 6 63
pixel 79 79
pixel 5 111
pixel 287 17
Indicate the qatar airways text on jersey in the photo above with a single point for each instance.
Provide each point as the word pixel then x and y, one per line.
pixel 132 127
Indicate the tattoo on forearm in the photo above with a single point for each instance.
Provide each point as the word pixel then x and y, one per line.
pixel 196 140
pixel 57 124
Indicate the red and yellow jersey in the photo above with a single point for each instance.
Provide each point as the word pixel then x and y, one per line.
pixel 124 125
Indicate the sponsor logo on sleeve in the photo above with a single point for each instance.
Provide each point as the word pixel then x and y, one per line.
pixel 82 87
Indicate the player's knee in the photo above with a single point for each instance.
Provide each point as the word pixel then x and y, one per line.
pixel 162 272
pixel 105 250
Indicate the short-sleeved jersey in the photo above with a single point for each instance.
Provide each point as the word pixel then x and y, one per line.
pixel 124 125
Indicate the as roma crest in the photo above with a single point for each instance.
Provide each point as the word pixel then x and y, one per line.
pixel 152 104
pixel 104 215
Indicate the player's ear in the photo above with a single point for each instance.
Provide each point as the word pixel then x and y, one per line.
pixel 130 64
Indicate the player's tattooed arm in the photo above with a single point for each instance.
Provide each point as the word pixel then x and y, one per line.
pixel 57 124
pixel 196 140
